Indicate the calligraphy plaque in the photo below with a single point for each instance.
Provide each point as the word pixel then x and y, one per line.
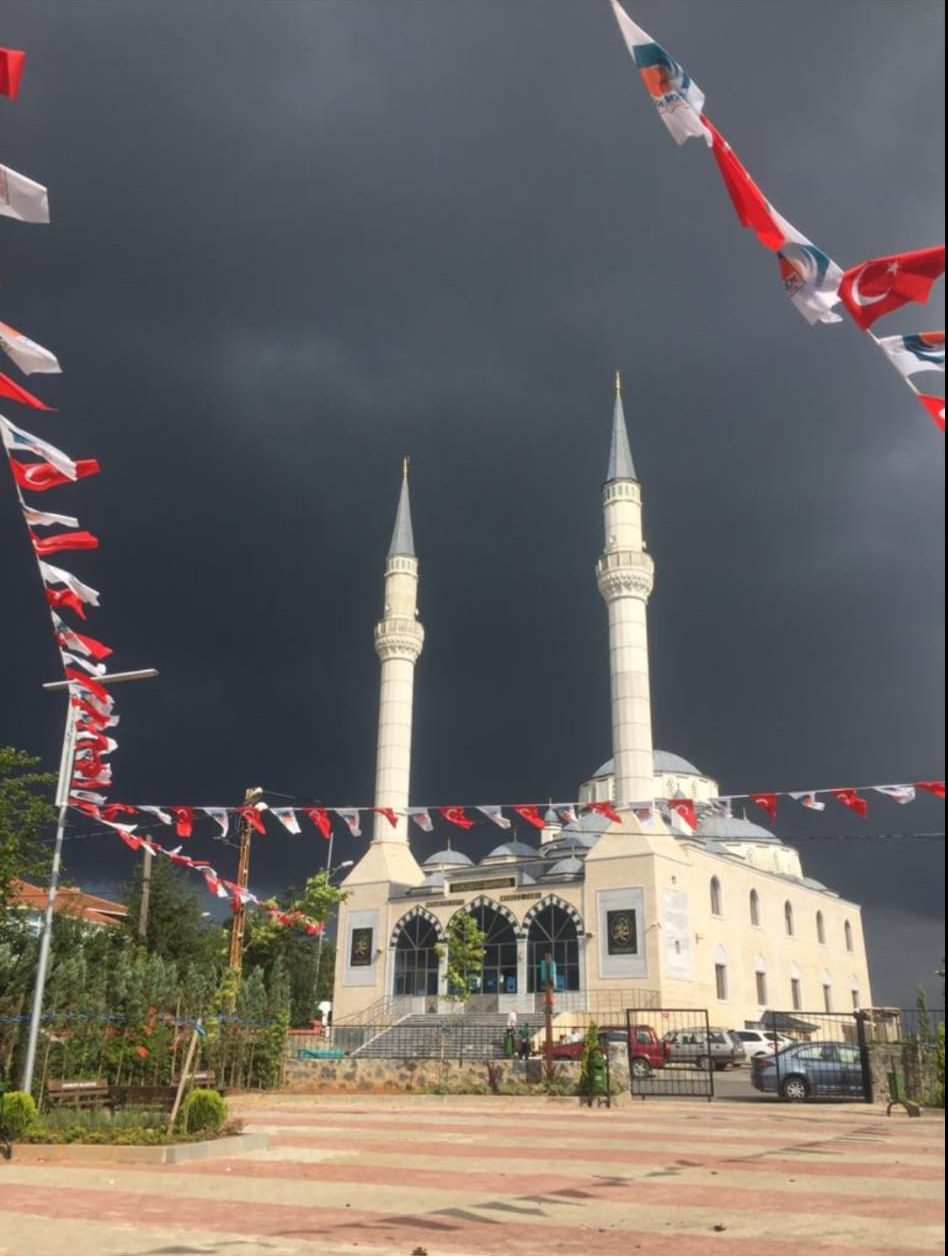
pixel 622 933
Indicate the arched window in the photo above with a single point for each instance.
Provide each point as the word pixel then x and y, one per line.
pixel 716 897
pixel 848 933
pixel 416 960
pixel 760 980
pixel 788 917
pixel 755 908
pixel 553 932
pixel 720 973
pixel 499 973
pixel 796 989
pixel 820 929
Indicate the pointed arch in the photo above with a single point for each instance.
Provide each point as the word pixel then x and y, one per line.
pixel 498 972
pixel 416 913
pixel 553 900
pixel 483 900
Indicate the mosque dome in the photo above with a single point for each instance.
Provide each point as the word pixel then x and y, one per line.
pixel 510 851
pixel 733 829
pixel 448 859
pixel 663 761
pixel 563 868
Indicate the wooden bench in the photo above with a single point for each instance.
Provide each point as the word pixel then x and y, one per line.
pixel 79 1094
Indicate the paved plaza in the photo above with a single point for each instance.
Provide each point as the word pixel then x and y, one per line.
pixel 433 1176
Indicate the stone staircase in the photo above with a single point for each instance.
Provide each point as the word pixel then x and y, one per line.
pixel 432 1037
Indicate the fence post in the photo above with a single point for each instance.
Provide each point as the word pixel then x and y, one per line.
pixel 864 1060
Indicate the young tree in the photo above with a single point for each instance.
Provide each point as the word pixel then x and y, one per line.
pixel 465 951
pixel 177 928
pixel 25 816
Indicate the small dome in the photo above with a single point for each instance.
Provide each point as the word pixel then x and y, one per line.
pixel 571 867
pixel 551 818
pixel 511 850
pixel 734 828
pixel 448 858
pixel 662 761
pixel 568 842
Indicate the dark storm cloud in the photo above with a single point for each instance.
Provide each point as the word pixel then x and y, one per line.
pixel 293 241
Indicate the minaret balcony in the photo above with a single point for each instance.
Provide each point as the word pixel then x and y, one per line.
pixel 625 573
pixel 399 638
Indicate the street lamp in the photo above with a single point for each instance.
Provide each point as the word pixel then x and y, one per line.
pixel 62 802
pixel 346 863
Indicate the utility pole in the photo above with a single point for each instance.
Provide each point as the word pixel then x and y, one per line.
pixel 145 897
pixel 243 877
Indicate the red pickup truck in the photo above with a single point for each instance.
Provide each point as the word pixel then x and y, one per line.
pixel 646 1049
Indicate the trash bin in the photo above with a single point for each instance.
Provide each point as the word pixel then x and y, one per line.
pixel 598 1075
pixel 896 1079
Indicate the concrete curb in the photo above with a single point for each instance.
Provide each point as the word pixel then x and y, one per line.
pixel 106 1153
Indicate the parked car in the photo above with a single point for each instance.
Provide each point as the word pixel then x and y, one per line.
pixel 761 1042
pixel 810 1070
pixel 704 1049
pixel 646 1049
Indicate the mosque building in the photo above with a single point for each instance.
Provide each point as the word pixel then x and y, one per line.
pixel 635 913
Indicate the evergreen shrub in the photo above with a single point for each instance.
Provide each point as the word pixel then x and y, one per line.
pixel 203 1110
pixel 17 1114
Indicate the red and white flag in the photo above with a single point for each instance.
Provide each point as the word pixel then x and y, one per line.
pixel 15 438
pixel 932 787
pixel 456 815
pixel 56 575
pixel 605 809
pixel 46 519
pixel 221 815
pixel 898 793
pixel 388 813
pixel 849 798
pixel 45 545
pixel 883 284
pixel 183 820
pixel 163 816
pixel 530 813
pixel 422 817
pixel 12 61
pixel 287 817
pixel 21 198
pixel 320 817
pixel 351 816
pixel 809 800
pixel 40 476
pixel 79 641
pixel 495 815
pixel 683 817
pixel 10 388
pixel 935 407
pixel 767 802
pixel 252 815
pixel 31 358
pixel 77 660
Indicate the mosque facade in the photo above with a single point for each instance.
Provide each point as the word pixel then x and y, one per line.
pixel 635 913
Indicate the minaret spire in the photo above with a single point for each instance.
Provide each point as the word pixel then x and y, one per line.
pixel 399 638
pixel 625 574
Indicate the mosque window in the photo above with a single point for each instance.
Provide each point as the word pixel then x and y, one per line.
pixel 553 932
pixel 499 973
pixel 416 958
pixel 755 909
pixel 760 979
pixel 820 929
pixel 796 994
pixel 848 932
pixel 716 897
pixel 720 973
pixel 788 917
pixel 827 997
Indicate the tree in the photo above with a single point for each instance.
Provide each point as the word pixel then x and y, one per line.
pixel 25 816
pixel 465 951
pixel 177 928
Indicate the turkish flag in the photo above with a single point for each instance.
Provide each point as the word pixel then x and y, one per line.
pixel 11 71
pixel 183 820
pixel 751 206
pixel 529 813
pixel 456 815
pixel 46 545
pixel 388 813
pixel 883 284
pixel 320 817
pixel 933 787
pixel 252 816
pixel 935 407
pixel 86 682
pixel 39 476
pixel 849 798
pixel 65 597
pixel 768 802
pixel 606 809
pixel 93 647
pixel 684 808
pixel 10 388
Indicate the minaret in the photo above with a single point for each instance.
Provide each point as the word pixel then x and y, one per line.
pixel 624 574
pixel 398 641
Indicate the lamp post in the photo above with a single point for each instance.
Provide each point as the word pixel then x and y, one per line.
pixel 346 863
pixel 62 802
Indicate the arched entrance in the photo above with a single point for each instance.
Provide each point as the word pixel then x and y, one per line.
pixel 416 959
pixel 553 931
pixel 499 973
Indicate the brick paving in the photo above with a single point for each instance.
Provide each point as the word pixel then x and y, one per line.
pixel 393 1176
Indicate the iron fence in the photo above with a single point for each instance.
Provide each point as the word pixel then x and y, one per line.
pixel 677 1052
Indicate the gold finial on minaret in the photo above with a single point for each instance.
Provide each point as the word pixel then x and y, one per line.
pixel 405 467
pixel 618 383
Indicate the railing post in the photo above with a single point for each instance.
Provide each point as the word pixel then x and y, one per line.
pixel 864 1059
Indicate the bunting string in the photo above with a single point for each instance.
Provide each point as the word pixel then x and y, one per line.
pixel 814 283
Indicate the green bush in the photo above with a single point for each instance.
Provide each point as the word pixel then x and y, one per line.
pixel 17 1114
pixel 203 1110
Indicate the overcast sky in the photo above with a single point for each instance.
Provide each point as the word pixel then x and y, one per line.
pixel 293 241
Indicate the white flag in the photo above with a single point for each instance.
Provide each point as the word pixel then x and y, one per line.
pixel 351 817
pixel 56 575
pixel 30 357
pixel 923 351
pixel 21 198
pixel 898 793
pixel 422 818
pixel 75 660
pixel 809 800
pixel 15 438
pixel 87 795
pixel 44 519
pixel 287 817
pixel 495 815
pixel 221 815
pixel 163 816
pixel 677 98
pixel 645 816
pixel 566 811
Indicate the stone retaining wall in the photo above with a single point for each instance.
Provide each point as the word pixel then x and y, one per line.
pixel 374 1076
